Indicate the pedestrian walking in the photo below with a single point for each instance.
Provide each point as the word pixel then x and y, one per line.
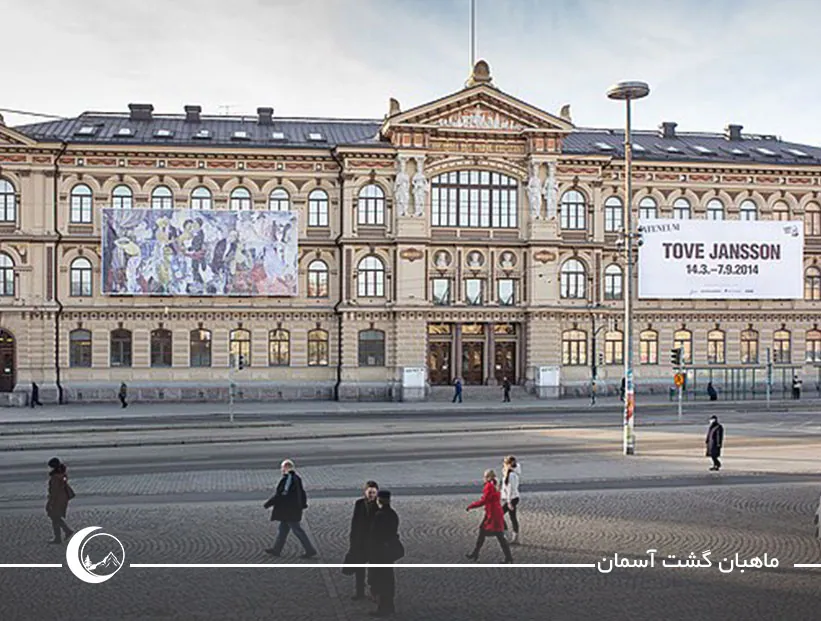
pixel 511 475
pixel 493 524
pixel 35 394
pixel 457 391
pixel 288 502
pixel 622 389
pixel 385 549
pixel 364 511
pixel 506 390
pixel 123 395
pixel 714 441
pixel 59 495
pixel 796 387
pixel 711 391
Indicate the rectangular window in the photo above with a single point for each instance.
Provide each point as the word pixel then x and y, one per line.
pixel 649 350
pixel 474 290
pixel 715 351
pixel 614 351
pixel 613 218
pixel 574 353
pixel 441 291
pixel 506 291
pixel 200 349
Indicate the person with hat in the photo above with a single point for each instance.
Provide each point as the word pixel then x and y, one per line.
pixel 59 494
pixel 385 549
pixel 714 442
pixel 288 503
pixel 493 524
pixel 364 511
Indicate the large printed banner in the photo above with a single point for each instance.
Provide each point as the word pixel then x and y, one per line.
pixel 192 252
pixel 721 260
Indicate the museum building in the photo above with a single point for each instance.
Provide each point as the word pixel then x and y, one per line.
pixel 476 236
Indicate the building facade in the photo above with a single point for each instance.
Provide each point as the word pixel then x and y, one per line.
pixel 475 236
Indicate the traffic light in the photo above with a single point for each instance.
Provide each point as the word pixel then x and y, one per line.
pixel 241 362
pixel 601 359
pixel 675 357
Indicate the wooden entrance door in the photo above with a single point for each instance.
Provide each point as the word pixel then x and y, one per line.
pixel 439 363
pixel 7 366
pixel 505 362
pixel 473 363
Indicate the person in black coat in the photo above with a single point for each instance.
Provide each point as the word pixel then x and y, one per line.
pixel 385 548
pixel 711 391
pixel 288 503
pixel 35 394
pixel 714 441
pixel 364 511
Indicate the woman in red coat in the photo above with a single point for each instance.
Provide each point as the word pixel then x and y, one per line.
pixel 494 523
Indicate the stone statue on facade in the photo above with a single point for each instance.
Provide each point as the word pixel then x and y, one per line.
pixel 534 192
pixel 420 188
pixel 401 189
pixel 551 190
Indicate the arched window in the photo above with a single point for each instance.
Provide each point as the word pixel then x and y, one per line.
pixel 317 279
pixel 162 198
pixel 648 208
pixel 239 343
pixel 573 208
pixel 317 348
pixel 120 354
pixel 240 200
pixel 201 198
pixel 716 348
pixel 122 197
pixel 574 348
pixel 371 278
pixel 474 198
pixel 813 341
pixel 8 201
pixel 370 207
pixel 812 220
pixel 781 211
pixel 573 280
pixel 748 211
pixel 613 282
pixel 681 209
pixel 371 348
pixel 614 347
pixel 279 200
pixel 782 347
pixel 79 348
pixel 318 208
pixel 749 347
pixel 80 199
pixel 683 340
pixel 649 347
pixel 812 284
pixel 161 352
pixel 200 348
pixel 279 348
pixel 80 277
pixel 613 214
pixel 6 275
pixel 715 209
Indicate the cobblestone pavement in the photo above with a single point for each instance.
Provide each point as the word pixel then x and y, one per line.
pixel 562 527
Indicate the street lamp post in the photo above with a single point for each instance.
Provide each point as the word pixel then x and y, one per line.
pixel 627 92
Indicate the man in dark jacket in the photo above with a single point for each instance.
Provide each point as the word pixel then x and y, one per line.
pixel 384 549
pixel 288 503
pixel 35 394
pixel 711 391
pixel 506 390
pixel 364 511
pixel 714 441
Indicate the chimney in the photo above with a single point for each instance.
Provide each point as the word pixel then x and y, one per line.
pixel 733 132
pixel 140 112
pixel 192 113
pixel 266 116
pixel 668 129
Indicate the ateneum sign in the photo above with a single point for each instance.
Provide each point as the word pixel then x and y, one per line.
pixel 721 260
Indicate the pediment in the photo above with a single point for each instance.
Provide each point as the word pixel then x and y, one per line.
pixel 9 136
pixel 481 108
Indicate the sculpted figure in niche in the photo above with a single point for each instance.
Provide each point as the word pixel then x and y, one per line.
pixel 420 189
pixel 551 189
pixel 401 189
pixel 534 192
pixel 475 259
pixel 508 260
pixel 441 259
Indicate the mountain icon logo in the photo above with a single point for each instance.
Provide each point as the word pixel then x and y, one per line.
pixel 94 557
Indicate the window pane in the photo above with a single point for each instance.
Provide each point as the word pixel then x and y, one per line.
pixel 441 291
pixel 474 199
pixel 506 288
pixel 473 291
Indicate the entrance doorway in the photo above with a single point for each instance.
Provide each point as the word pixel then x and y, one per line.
pixel 505 362
pixel 439 363
pixel 473 363
pixel 7 367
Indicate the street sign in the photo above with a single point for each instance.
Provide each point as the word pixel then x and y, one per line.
pixel 679 379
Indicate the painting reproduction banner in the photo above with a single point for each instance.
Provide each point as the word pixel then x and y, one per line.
pixel 193 252
pixel 721 260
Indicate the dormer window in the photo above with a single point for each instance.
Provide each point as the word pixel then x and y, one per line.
pixel 87 130
pixel 798 153
pixel 315 137
pixel 603 146
pixel 203 134
pixel 278 136
pixel 163 133
pixel 240 134
pixel 702 150
pixel 766 151
pixel 125 131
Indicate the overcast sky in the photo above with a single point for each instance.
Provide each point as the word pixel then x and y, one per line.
pixel 708 63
